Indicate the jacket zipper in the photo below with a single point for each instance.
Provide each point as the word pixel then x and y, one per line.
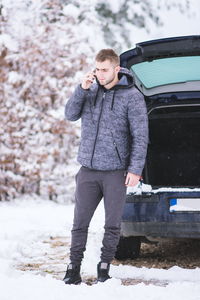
pixel 117 152
pixel 115 145
pixel 98 127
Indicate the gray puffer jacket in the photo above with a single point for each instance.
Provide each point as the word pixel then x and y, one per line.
pixel 114 131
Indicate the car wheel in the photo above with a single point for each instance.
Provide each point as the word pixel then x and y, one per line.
pixel 128 248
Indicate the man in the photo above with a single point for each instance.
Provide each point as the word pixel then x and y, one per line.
pixel 114 136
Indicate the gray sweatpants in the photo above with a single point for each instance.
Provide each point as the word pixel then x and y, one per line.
pixel 91 187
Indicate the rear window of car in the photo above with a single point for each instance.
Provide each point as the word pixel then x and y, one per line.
pixel 165 71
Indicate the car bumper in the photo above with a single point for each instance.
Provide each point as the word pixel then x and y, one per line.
pixel 151 215
pixel 157 230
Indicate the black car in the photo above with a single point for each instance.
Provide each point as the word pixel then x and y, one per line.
pixel 167 72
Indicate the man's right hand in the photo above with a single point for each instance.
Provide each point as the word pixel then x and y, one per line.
pixel 88 80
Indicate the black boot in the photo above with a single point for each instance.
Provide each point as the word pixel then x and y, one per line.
pixel 72 275
pixel 102 271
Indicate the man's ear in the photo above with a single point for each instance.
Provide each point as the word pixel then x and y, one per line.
pixel 117 69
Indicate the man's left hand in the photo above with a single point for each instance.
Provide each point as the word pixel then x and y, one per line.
pixel 132 179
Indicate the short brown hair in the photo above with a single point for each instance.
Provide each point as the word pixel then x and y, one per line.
pixel 107 54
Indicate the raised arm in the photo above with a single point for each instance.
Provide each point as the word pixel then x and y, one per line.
pixel 74 106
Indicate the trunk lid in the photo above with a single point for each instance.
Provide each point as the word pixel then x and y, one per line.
pixel 165 65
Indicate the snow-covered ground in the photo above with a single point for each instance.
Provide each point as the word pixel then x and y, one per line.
pixel 27 226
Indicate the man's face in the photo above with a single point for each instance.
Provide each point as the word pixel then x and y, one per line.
pixel 106 72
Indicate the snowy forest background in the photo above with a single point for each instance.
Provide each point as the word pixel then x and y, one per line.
pixel 45 46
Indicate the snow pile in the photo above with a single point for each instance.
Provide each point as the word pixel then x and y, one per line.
pixel 147 188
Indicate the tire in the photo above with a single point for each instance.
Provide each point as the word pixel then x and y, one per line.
pixel 128 248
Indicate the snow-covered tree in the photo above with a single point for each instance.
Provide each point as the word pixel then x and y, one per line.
pixel 40 60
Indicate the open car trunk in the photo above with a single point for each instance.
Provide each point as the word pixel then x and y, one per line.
pixel 173 157
pixel 167 72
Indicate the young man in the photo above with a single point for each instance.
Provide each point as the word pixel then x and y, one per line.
pixel 112 153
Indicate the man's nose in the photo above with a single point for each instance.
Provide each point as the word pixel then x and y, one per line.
pixel 101 74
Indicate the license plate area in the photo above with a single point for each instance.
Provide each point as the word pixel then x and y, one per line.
pixel 184 204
